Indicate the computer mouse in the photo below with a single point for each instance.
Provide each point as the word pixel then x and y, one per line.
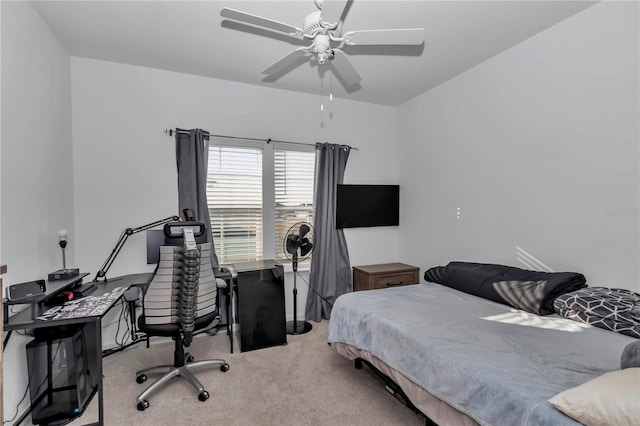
pixel 224 270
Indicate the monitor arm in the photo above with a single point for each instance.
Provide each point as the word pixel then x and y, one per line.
pixel 102 273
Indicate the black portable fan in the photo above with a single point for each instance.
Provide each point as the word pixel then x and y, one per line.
pixel 297 245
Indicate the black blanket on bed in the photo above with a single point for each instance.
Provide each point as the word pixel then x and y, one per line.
pixel 531 291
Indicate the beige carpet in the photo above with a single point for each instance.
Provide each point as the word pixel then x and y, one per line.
pixel 302 383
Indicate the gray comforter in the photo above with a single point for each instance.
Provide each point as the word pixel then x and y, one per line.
pixel 497 364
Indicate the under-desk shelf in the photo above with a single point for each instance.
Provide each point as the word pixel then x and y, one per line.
pixel 37 301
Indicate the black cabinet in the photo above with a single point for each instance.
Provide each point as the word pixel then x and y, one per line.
pixel 259 305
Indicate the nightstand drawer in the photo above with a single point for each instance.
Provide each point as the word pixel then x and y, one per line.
pixel 384 275
pixel 393 280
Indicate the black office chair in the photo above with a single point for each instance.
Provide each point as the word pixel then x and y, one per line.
pixel 180 301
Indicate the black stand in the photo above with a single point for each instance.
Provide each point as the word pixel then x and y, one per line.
pixel 295 326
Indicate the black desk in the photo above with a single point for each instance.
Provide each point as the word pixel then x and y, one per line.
pixel 24 320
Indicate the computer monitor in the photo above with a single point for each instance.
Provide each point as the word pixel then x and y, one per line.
pixel 155 239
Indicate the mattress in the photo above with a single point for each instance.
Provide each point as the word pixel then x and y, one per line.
pixel 437 410
pixel 493 363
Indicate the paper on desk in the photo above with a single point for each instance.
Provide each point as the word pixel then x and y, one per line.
pixel 85 307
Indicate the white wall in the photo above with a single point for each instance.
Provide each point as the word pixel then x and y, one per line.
pixel 36 170
pixel 124 166
pixel 539 147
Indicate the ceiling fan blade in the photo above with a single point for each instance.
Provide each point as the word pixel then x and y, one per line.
pixel 259 21
pixel 332 11
pixel 343 66
pixel 286 61
pixel 400 36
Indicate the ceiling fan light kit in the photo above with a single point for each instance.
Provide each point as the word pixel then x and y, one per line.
pixel 324 28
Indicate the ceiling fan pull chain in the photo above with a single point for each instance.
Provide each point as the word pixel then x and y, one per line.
pixel 322 96
pixel 331 81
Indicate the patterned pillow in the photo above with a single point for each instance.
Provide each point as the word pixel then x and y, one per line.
pixel 614 309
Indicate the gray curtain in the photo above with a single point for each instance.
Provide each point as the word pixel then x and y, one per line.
pixel 192 153
pixel 330 267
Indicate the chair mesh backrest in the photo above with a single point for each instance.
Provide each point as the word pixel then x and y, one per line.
pixel 183 288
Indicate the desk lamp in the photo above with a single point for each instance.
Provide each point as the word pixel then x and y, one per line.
pixel 64 273
pixel 102 273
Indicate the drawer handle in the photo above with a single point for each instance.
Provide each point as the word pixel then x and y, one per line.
pixel 395 284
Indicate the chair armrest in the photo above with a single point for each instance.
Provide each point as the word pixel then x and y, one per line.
pixel 220 283
pixel 132 294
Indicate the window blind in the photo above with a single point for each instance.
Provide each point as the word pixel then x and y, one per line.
pixel 234 196
pixel 294 173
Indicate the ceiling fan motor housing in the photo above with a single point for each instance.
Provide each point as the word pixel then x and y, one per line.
pixel 312 24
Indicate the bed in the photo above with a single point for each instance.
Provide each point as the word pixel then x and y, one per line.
pixel 463 359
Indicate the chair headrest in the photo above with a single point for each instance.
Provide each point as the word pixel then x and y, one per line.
pixel 176 229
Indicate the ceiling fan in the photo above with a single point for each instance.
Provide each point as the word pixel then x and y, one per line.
pixel 324 28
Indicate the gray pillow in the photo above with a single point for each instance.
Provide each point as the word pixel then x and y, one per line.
pixel 631 355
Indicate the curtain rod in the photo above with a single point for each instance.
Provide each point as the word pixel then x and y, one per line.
pixel 171 132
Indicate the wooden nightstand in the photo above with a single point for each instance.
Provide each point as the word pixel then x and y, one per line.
pixel 384 275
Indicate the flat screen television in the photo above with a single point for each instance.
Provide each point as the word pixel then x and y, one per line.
pixel 359 206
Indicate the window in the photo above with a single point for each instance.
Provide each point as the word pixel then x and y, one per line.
pixel 293 173
pixel 234 196
pixel 255 194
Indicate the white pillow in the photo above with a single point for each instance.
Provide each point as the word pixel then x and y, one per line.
pixel 610 399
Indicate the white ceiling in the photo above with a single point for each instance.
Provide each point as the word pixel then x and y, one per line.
pixel 191 37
